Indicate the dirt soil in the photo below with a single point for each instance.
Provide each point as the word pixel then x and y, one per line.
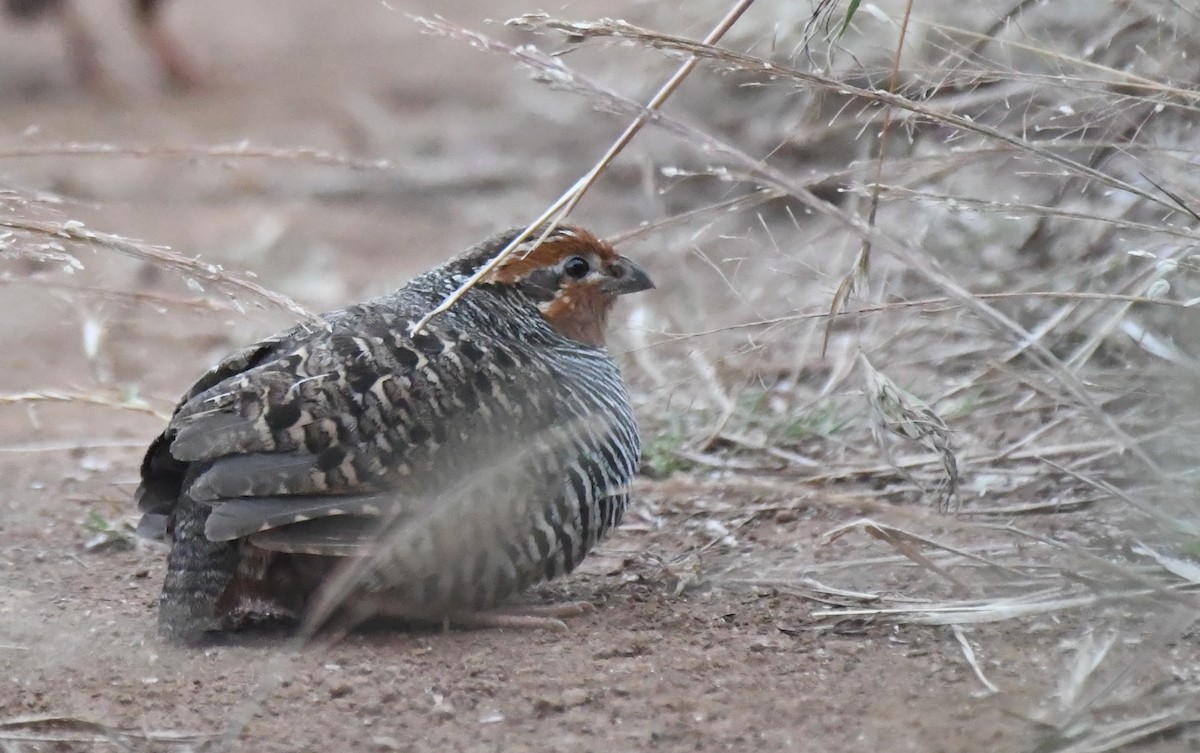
pixel 674 658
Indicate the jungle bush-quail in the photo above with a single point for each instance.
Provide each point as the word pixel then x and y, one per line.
pixel 487 452
pixel 81 46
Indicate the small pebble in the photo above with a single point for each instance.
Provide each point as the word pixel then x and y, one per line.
pixel 340 690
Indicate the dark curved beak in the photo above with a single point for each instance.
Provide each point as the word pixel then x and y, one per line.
pixel 626 277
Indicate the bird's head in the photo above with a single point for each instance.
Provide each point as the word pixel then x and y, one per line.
pixel 573 278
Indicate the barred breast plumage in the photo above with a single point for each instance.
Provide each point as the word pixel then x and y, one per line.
pixel 454 467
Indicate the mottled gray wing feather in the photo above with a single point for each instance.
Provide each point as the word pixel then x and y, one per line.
pixel 357 420
pixel 250 412
pixel 258 475
pixel 162 472
pixel 199 436
pixel 242 517
pixel 343 536
pixel 363 437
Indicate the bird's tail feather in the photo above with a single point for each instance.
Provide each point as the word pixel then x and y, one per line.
pixel 198 572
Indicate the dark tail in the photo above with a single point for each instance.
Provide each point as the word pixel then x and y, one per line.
pixel 198 573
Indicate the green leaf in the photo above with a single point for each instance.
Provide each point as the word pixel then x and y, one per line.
pixel 851 9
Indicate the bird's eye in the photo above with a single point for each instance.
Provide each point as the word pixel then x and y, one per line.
pixel 576 267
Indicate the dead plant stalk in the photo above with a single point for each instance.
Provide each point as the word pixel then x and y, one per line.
pixel 549 219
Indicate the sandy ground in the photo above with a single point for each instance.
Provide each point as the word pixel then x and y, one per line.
pixel 670 660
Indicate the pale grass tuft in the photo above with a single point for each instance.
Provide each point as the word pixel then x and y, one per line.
pixel 899 413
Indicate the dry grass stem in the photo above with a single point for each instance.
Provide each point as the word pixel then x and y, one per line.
pixel 559 76
pixel 734 61
pixel 120 402
pixel 75 232
pixel 969 655
pixel 558 211
pixel 902 540
pixel 63 730
pixel 191 152
pixel 158 300
pixel 859 275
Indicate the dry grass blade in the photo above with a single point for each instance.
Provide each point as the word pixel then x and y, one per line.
pixel 1181 568
pixel 736 203
pixel 215 151
pixel 904 250
pixel 120 402
pixel 1035 508
pixel 1087 581
pixel 744 62
pixel 43 255
pixel 1015 208
pixel 969 655
pixel 940 304
pixel 1119 688
pixel 859 273
pixel 72 445
pixel 1105 737
pixel 901 539
pixel 1110 573
pixel 1171 522
pixel 1089 654
pixel 548 220
pixel 75 232
pixel 982 611
pixel 53 728
pixel 149 299
pixel 855 280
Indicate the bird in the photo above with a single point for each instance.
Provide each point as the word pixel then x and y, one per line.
pixel 177 68
pixel 449 467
